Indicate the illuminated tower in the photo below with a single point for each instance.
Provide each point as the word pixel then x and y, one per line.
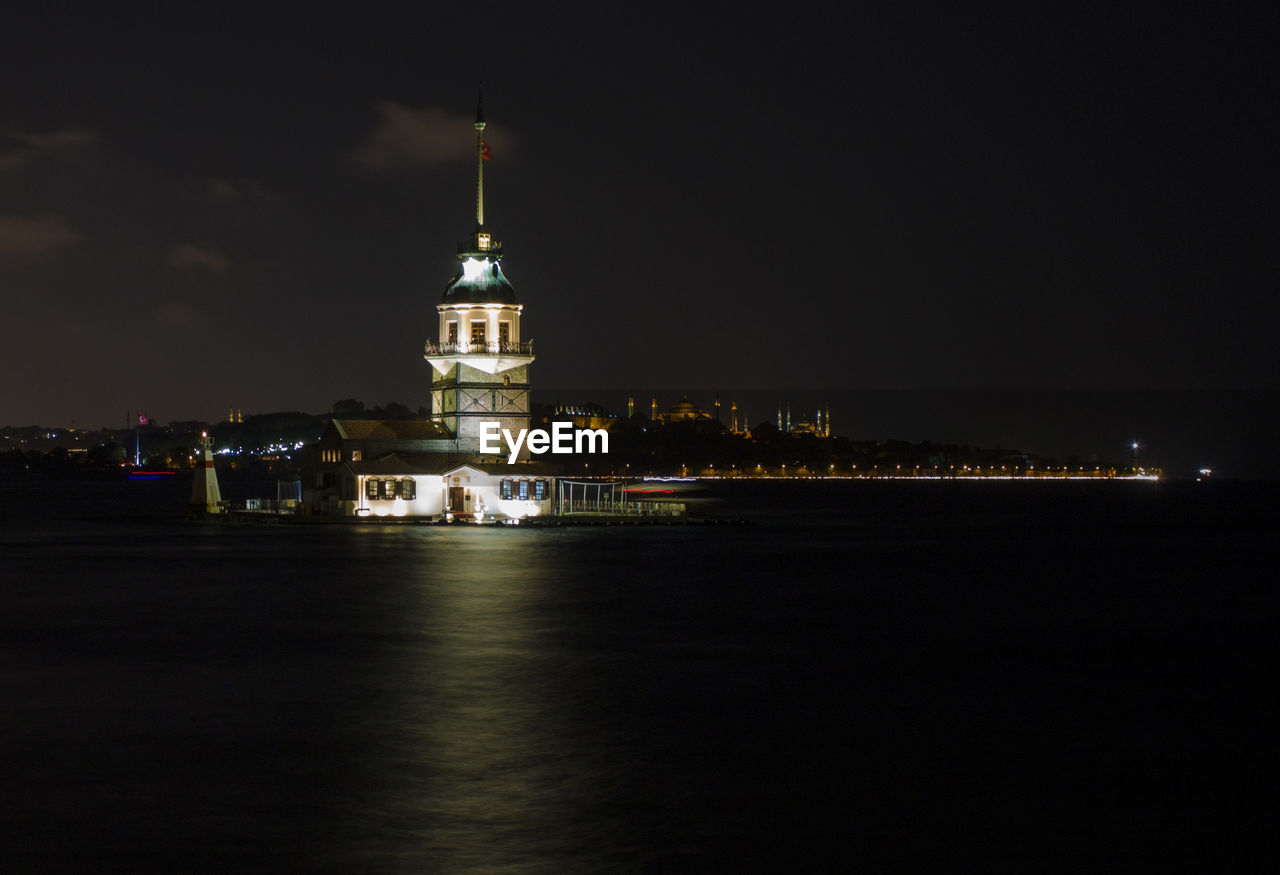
pixel 631 406
pixel 653 409
pixel 717 406
pixel 480 367
pixel 733 416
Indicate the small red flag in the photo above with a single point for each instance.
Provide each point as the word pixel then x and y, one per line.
pixel 484 150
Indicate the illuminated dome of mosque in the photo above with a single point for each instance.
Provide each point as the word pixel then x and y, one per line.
pixel 684 409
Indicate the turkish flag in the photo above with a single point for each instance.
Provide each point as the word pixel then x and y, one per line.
pixel 484 150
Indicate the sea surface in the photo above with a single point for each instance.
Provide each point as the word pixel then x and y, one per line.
pixel 982 676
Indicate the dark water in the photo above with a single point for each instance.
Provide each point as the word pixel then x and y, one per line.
pixel 985 676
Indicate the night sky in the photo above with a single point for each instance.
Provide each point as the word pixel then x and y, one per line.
pixel 201 210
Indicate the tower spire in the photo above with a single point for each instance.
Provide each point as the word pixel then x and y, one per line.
pixel 480 156
pixel 479 354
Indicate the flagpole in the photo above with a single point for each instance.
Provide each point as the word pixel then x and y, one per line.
pixel 480 157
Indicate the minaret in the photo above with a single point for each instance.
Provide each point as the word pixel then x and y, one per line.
pixel 205 495
pixel 733 416
pixel 717 406
pixel 653 409
pixel 480 366
pixel 788 417
pixel 631 406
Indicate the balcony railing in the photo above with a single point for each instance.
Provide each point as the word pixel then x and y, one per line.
pixel 493 347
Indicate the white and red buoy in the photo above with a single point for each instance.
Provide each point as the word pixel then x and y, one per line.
pixel 205 495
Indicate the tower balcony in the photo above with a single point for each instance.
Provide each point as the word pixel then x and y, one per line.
pixel 493 347
pixel 492 357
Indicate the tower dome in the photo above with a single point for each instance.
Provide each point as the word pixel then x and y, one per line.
pixel 479 280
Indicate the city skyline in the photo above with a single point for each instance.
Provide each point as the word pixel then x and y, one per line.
pixel 222 212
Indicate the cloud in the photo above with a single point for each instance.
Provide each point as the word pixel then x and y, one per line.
pixel 68 138
pixel 176 316
pixel 23 236
pixel 225 193
pixel 31 145
pixel 219 191
pixel 12 160
pixel 190 256
pixel 404 137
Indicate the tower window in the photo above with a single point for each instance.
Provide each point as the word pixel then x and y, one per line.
pixel 524 490
pixel 453 332
pixel 482 240
pixel 504 332
pixel 477 331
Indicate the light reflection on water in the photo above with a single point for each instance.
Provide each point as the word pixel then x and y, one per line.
pixel 381 697
pixel 485 748
pixel 896 678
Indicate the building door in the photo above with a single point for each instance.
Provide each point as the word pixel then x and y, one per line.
pixel 455 498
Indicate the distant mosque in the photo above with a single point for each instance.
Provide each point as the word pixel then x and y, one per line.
pixel 479 373
pixel 685 410
pixel 819 426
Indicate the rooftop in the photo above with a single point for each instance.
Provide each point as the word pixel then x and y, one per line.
pixel 389 429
